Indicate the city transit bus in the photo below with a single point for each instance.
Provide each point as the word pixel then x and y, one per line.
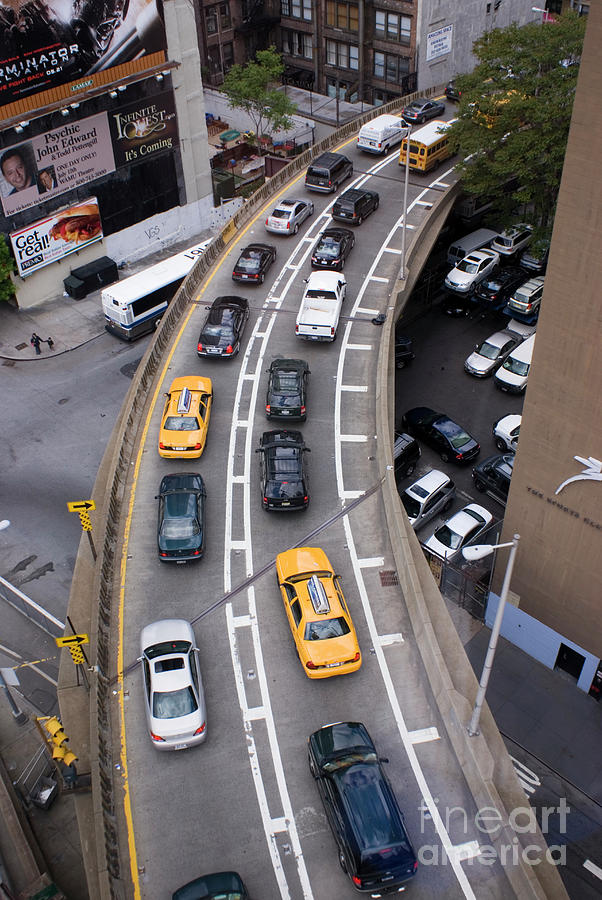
pixel 429 146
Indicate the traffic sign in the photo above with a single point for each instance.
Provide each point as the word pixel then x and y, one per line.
pixel 70 640
pixel 80 506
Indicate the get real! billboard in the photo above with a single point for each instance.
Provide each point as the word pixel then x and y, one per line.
pixel 47 44
pixel 58 235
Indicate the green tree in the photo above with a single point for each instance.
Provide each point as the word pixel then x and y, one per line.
pixel 7 265
pixel 514 116
pixel 252 88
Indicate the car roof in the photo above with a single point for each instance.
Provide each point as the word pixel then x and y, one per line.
pixel 499 338
pixel 462 521
pixel 354 194
pixel 282 438
pixel 478 255
pixel 509 421
pixel 430 482
pixel 532 284
pixel 334 231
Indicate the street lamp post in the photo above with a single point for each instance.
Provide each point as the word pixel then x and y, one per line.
pixel 402 268
pixel 478 551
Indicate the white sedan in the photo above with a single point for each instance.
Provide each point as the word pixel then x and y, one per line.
pixel 506 432
pixel 463 528
pixel 471 270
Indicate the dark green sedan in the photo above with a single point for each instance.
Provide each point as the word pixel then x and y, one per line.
pixel 181 523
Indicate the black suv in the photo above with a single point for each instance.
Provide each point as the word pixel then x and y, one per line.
pixel 406 453
pixel 492 476
pixel 287 389
pixel 283 477
pixel 328 172
pixel 362 810
pixel 354 205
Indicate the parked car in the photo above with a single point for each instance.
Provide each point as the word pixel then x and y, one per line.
pixel 253 263
pixel 332 249
pixel 404 353
pixel 286 396
pixel 513 374
pixel 363 812
pixel 492 476
pixel 495 289
pixel 173 688
pixel 327 172
pixel 526 299
pixel 354 205
pixel 535 258
pixel 288 216
pixel 463 528
pixel 284 484
pixel 506 432
pixel 317 613
pixel 471 270
pixel 185 419
pixel 512 240
pixel 218 886
pixel 432 494
pixel 223 327
pixel 445 436
pixel 421 109
pixel 452 92
pixel 181 518
pixel 456 305
pixel 491 353
pixel 406 453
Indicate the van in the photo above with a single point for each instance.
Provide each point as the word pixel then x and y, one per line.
pixel 328 172
pixel 476 240
pixel 513 375
pixel 382 133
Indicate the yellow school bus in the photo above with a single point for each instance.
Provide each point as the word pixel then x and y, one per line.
pixel 429 146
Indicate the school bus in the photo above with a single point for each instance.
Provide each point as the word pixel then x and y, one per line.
pixel 429 146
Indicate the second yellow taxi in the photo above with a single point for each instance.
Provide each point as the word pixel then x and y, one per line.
pixel 185 418
pixel 317 613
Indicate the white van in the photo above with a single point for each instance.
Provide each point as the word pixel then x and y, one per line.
pixel 513 375
pixel 382 133
pixel 476 240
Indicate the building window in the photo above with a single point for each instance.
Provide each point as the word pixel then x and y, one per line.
pixel 297 43
pixel 217 18
pixel 296 9
pixel 344 56
pixel 389 67
pixel 392 27
pixel 227 56
pixel 342 15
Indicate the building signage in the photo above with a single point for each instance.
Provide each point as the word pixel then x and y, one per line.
pixel 568 510
pixel 50 239
pixel 142 130
pixel 41 49
pixel 55 162
pixel 439 42
pixel 591 472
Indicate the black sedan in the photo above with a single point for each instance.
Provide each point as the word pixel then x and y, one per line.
pixel 449 439
pixel 222 330
pixel 496 290
pixel 287 389
pixel 180 527
pixel 283 476
pixel 421 109
pixel 218 886
pixel 253 263
pixel 332 249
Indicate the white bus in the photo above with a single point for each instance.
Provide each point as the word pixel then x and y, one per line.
pixel 134 306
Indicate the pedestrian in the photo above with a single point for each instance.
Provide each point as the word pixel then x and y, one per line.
pixel 35 342
pixel 50 343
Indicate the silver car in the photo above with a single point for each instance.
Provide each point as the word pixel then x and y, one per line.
pixel 173 689
pixel 491 353
pixel 429 495
pixel 288 216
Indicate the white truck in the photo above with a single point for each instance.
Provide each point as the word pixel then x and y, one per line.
pixel 320 307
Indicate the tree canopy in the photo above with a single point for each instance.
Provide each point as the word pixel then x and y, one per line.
pixel 7 265
pixel 252 87
pixel 514 115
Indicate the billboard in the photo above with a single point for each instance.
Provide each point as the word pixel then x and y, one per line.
pixel 79 152
pixel 48 43
pixel 50 239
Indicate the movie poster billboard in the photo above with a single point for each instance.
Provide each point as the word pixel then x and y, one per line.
pixel 55 162
pixel 48 43
pixel 140 131
pixel 50 239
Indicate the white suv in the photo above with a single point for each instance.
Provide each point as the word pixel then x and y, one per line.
pixel 431 494
pixel 527 297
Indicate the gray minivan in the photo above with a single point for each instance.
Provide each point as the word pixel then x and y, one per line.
pixel 328 172
pixel 476 240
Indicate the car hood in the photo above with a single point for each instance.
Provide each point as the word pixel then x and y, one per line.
pixel 479 363
pixel 461 279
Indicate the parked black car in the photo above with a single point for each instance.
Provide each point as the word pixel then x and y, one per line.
pixel 362 810
pixel 253 263
pixel 287 389
pixel 449 439
pixel 495 290
pixel 354 205
pixel 454 304
pixel 452 92
pixel 284 485
pixel 421 109
pixel 218 886
pixel 492 476
pixel 404 353
pixel 181 522
pixel 332 249
pixel 222 330
pixel 406 453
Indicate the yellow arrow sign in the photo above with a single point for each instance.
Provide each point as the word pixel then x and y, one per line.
pixel 71 639
pixel 80 505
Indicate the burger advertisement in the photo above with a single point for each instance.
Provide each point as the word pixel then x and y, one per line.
pixel 50 239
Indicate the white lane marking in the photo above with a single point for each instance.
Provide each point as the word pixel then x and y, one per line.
pixel 352 495
pixel 256 712
pixel 355 388
pixel 359 346
pixel 241 621
pixel 389 640
pixel 369 312
pixel 424 735
pixel 466 851
pixel 424 203
pixel 378 278
pixel 354 438
pixel 390 250
pixel 591 867
pixel 371 561
pixel 31 666
pixel 238 479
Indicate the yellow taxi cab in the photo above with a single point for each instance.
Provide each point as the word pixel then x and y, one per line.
pixel 317 613
pixel 185 418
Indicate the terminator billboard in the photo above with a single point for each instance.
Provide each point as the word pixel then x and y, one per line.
pixel 47 43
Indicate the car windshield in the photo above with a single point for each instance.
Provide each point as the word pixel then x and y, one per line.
pixel 411 505
pixel 516 366
pixel 505 241
pixel 181 423
pixel 345 205
pixel 349 759
pixel 167 647
pixel 180 528
pixel 325 629
pixel 492 284
pixel 317 294
pixel 281 214
pixel 173 704
pixel 523 296
pixel 466 266
pixel 317 172
pixel 250 262
pixel 448 538
pixel 489 351
pixel 328 247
